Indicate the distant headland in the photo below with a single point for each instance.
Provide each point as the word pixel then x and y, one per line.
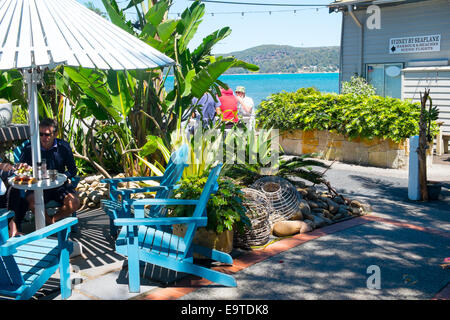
pixel 276 59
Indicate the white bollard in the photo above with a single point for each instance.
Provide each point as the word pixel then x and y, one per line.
pixel 413 176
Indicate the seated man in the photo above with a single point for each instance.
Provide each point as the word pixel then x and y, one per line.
pixel 58 156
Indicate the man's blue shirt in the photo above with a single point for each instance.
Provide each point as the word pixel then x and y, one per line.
pixel 59 157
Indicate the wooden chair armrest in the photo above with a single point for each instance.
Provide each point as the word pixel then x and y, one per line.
pixel 141 190
pixel 10 246
pixel 6 214
pixel 163 202
pixel 116 181
pixel 200 221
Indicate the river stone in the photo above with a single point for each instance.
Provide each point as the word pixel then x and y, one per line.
pixel 96 198
pixel 319 222
pixel 338 200
pixel 322 204
pixel 342 210
pixel 92 194
pixel 82 194
pixel 304 207
pixel 297 215
pixel 92 205
pixel 303 192
pixel 338 216
pixel 288 228
pixel 313 205
pixel 333 207
pixel 89 180
pixel 355 204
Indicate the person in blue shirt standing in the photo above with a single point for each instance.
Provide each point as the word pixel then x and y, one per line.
pixel 208 109
pixel 58 155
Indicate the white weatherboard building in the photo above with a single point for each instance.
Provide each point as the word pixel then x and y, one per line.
pixel 401 47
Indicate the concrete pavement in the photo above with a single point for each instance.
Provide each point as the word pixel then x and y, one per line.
pixel 403 241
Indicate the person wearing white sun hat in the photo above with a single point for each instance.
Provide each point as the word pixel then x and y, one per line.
pixel 245 107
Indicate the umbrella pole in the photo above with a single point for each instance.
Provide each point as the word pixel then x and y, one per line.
pixel 39 208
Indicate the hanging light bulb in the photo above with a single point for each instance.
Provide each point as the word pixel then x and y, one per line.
pixel 270 12
pixel 295 11
pixel 242 14
pixel 212 14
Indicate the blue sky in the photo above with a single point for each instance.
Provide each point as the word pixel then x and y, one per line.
pixel 305 28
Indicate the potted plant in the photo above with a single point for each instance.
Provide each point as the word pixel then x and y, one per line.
pixel 225 211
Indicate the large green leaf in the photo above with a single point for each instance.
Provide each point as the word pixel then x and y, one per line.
pixel 121 98
pixel 132 4
pixel 190 20
pixel 155 15
pixel 117 18
pixel 166 29
pixel 208 42
pixel 91 82
pixel 204 79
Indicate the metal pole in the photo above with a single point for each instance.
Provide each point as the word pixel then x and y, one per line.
pixel 39 209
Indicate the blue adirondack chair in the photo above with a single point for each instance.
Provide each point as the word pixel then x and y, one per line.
pixel 52 204
pixel 141 241
pixel 27 262
pixel 118 208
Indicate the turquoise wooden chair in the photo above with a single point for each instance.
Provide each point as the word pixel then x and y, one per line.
pixel 116 206
pixel 27 262
pixel 141 241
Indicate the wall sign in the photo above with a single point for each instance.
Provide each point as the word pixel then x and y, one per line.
pixel 415 44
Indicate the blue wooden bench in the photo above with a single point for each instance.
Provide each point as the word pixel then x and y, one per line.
pixel 116 206
pixel 27 262
pixel 140 240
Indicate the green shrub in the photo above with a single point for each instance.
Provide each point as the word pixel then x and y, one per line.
pixel 358 86
pixel 225 209
pixel 348 114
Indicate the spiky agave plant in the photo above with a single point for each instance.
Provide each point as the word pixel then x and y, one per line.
pixel 301 167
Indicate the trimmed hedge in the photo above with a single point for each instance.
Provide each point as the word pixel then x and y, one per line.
pixel 347 114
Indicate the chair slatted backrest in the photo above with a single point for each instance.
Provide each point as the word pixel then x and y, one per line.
pixel 211 186
pixel 10 275
pixel 174 170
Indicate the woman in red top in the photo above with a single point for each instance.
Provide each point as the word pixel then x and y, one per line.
pixel 228 108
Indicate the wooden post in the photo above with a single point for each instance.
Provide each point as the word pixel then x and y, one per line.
pixel 423 145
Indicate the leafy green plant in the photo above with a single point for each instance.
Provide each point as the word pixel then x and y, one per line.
pixel 225 209
pixel 295 167
pixel 347 114
pixel 133 106
pixel 20 116
pixel 358 86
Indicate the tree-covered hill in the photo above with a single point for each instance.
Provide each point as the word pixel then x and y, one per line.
pixel 288 59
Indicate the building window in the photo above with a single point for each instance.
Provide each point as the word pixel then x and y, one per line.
pixel 386 78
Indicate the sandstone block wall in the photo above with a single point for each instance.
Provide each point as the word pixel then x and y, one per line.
pixel 331 146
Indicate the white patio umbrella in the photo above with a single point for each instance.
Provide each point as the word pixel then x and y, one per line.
pixel 45 33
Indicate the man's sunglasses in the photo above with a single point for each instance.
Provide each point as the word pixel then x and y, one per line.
pixel 45 134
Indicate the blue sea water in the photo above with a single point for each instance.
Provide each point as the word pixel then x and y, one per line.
pixel 260 86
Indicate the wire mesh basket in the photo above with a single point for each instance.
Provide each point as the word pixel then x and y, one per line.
pixel 258 208
pixel 281 194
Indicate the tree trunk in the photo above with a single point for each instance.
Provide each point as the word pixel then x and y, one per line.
pixel 423 145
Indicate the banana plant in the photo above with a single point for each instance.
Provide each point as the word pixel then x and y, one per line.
pixel 134 105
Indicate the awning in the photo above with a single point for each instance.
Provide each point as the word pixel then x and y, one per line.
pixel 14 132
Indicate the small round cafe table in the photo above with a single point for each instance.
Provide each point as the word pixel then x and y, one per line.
pixel 39 187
